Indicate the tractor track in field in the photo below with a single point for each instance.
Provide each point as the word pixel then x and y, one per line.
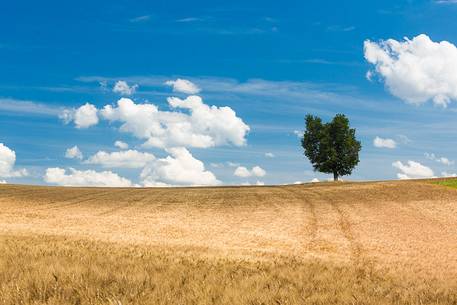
pixel 12 193
pixel 344 223
pixel 120 207
pixel 312 228
pixel 346 228
pixel 59 204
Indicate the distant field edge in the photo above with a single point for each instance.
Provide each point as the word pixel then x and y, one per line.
pixel 444 181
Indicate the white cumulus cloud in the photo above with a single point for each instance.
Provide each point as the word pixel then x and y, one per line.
pixel 183 86
pixel 121 87
pixel 7 161
pixel 75 177
pixel 442 160
pixel 121 145
pixel 412 170
pixel 384 143
pixel 205 126
pixel 74 153
pixel 180 168
pixel 121 159
pixel 416 70
pixel 258 171
pixel 83 117
pixel 243 172
pixel 269 155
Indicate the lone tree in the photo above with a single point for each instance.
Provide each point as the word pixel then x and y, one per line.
pixel 331 147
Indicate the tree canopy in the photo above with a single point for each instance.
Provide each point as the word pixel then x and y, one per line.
pixel 331 147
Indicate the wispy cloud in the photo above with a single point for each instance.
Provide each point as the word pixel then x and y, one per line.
pixel 404 139
pixel 28 107
pixel 442 160
pixel 258 87
pixel 446 1
pixel 143 18
pixel 319 61
pixel 239 30
pixel 57 88
pixel 270 19
pixel 189 19
pixel 339 28
pixel 266 93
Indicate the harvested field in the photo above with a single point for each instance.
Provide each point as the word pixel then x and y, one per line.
pixel 343 243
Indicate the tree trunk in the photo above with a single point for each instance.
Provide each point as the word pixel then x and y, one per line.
pixel 335 176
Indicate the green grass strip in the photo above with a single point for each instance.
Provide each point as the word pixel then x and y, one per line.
pixel 448 182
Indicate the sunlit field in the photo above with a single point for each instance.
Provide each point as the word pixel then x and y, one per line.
pixel 328 243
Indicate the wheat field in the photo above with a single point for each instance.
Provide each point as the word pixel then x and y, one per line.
pixel 327 243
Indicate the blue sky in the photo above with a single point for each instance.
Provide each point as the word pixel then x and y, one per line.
pixel 271 62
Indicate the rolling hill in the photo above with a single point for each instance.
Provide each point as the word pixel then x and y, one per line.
pixel 392 242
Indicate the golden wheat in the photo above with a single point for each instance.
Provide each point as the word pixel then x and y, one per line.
pixel 352 243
